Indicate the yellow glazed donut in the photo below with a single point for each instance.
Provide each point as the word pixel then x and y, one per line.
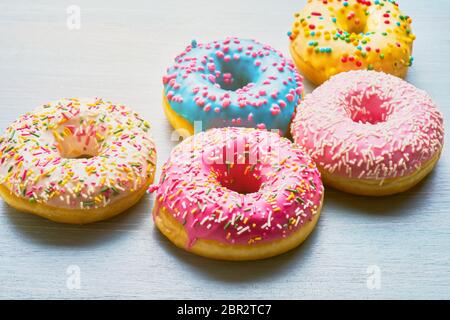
pixel 333 36
pixel 76 161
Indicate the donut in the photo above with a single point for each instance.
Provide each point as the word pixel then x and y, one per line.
pixel 370 133
pixel 76 160
pixel 333 36
pixel 234 82
pixel 237 194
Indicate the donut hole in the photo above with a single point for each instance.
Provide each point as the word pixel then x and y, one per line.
pixel 233 81
pixel 354 28
pixel 84 144
pixel 83 156
pixel 240 178
pixel 353 21
pixel 68 151
pixel 233 75
pixel 368 107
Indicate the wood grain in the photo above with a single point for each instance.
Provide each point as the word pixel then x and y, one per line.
pixel 120 53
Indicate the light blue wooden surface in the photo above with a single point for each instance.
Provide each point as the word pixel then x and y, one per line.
pixel 120 53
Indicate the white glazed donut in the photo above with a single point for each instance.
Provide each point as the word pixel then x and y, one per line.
pixel 76 161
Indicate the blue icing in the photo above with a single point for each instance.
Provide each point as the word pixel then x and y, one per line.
pixel 233 83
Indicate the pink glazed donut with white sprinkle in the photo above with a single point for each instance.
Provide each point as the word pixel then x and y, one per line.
pixel 370 133
pixel 238 194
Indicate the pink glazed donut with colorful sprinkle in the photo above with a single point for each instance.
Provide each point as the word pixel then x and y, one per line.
pixel 370 133
pixel 238 194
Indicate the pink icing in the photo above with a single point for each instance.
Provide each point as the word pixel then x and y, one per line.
pixel 369 125
pixel 239 186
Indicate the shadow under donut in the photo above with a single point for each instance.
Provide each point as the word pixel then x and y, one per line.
pixel 46 232
pixel 394 205
pixel 242 271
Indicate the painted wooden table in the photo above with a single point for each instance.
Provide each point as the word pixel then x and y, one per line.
pixel 394 247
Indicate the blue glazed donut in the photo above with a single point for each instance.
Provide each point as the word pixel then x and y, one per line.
pixel 233 82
